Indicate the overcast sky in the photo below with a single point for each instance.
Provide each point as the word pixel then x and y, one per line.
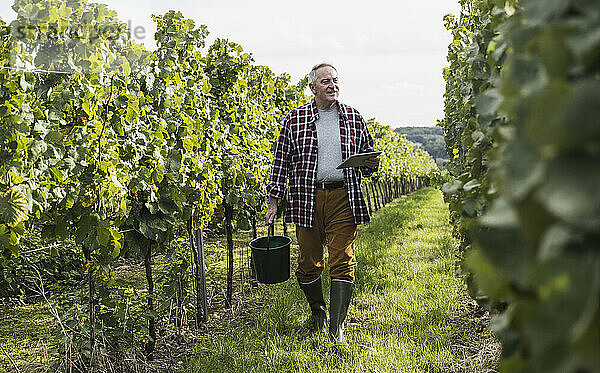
pixel 389 54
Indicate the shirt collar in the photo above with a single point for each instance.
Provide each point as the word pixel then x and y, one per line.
pixel 314 111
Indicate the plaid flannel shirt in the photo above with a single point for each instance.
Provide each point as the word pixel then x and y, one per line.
pixel 296 161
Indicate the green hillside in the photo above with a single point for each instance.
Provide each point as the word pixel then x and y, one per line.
pixel 430 138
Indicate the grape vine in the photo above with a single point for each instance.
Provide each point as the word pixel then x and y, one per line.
pixel 522 93
pixel 119 149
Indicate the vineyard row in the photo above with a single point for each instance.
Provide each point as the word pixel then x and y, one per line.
pixel 121 149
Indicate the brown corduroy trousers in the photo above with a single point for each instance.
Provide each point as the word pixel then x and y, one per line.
pixel 333 225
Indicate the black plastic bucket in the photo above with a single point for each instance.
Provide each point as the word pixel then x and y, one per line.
pixel 271 258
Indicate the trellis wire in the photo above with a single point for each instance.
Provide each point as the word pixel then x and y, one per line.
pixel 39 71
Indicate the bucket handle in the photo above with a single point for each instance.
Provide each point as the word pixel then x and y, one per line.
pixel 270 232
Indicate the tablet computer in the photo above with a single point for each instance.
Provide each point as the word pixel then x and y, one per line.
pixel 357 160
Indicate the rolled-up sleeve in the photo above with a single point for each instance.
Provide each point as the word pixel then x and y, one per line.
pixel 281 163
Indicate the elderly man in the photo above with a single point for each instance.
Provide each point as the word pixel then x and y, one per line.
pixel 325 203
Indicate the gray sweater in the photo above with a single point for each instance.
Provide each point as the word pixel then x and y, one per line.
pixel 330 147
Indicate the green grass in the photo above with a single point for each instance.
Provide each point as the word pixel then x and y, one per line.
pixel 405 308
pixel 409 313
pixel 25 333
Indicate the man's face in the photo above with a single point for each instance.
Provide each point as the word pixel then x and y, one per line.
pixel 325 87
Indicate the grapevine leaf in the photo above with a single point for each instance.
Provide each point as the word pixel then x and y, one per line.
pixel 527 74
pixel 487 103
pixel 555 240
pixel 519 176
pixel 471 185
pixel 13 207
pixel 541 11
pixel 570 197
pixel 494 282
pixel 102 235
pixel 586 47
pixel 583 109
pixel 453 187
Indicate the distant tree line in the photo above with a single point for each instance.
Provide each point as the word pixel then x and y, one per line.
pixel 430 138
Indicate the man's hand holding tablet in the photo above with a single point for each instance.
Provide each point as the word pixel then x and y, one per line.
pixel 370 159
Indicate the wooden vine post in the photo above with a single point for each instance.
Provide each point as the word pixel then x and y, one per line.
pixel 368 198
pixel 91 302
pixel 201 297
pixel 229 229
pixel 199 273
pixel 150 345
pixel 254 236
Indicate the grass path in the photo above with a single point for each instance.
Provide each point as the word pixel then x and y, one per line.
pixel 409 313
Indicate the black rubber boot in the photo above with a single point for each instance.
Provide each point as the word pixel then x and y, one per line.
pixel 341 292
pixel 314 294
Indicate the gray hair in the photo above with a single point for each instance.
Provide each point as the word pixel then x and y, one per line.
pixel 312 75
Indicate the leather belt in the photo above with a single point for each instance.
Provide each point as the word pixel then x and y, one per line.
pixel 330 184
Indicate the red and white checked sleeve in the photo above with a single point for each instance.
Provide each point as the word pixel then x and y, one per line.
pixel 281 162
